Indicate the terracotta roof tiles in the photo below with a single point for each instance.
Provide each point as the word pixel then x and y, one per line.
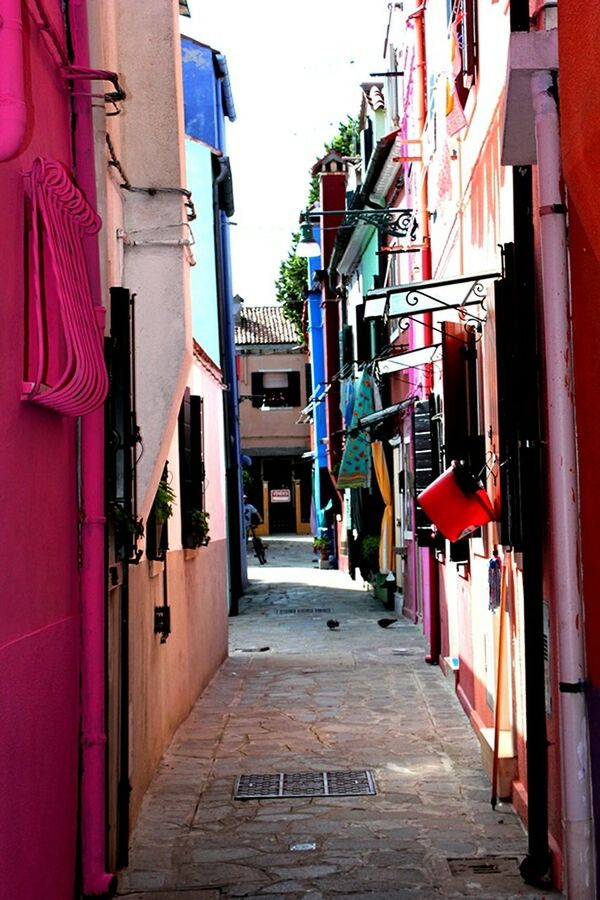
pixel 264 325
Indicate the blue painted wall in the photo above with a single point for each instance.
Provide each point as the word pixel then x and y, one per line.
pixel 318 385
pixel 203 276
pixel 208 101
pixel 199 89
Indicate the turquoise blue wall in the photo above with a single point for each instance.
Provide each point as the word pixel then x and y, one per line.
pixel 203 276
pixel 369 262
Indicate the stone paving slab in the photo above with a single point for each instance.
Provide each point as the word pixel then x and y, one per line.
pixel 322 700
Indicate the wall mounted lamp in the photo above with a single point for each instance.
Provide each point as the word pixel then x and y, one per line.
pixel 400 223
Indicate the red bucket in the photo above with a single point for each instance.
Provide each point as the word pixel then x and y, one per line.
pixel 456 503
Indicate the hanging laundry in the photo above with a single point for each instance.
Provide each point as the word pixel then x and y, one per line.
pixel 347 400
pixel 355 468
pixel 494 581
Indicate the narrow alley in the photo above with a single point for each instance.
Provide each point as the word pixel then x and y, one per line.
pixel 294 697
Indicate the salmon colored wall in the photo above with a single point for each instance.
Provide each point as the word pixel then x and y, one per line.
pixel 275 427
pixel 39 655
pixel 166 679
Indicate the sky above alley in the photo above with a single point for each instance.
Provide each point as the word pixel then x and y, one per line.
pixel 295 71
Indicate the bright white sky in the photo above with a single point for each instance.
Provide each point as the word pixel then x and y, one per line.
pixel 296 70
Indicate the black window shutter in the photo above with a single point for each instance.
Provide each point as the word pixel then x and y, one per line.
pixel 198 468
pixel 121 418
pixel 308 380
pixel 185 462
pixel 456 417
pixel 363 336
pixel 511 370
pixel 469 42
pixel 294 388
pixel 257 388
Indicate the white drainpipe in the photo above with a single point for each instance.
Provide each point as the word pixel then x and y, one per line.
pixel 563 500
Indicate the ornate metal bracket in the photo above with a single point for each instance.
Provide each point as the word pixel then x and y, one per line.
pixel 400 223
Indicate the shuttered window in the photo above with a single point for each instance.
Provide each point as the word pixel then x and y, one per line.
pixel 191 464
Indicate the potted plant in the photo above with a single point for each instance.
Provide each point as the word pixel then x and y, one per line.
pixel 163 502
pixel 199 527
pixel 322 546
pixel 163 510
pixel 128 530
pixel 369 556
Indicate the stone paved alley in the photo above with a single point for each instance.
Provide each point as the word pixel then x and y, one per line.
pixel 320 700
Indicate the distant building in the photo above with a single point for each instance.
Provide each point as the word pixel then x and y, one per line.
pixel 274 386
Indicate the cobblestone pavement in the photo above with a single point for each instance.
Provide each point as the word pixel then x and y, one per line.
pixel 317 700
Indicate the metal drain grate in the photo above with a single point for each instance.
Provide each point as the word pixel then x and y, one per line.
pixel 301 610
pixel 305 784
pixel 484 865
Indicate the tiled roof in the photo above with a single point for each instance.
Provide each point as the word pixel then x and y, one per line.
pixel 264 325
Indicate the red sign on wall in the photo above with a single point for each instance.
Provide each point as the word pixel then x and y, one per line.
pixel 281 495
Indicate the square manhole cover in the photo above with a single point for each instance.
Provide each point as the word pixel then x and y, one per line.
pixel 305 610
pixel 484 865
pixel 305 784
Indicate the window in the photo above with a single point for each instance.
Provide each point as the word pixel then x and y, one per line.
pixel 122 449
pixel 192 475
pixel 275 389
pixel 464 23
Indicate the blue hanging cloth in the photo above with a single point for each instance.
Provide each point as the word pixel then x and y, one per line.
pixel 355 468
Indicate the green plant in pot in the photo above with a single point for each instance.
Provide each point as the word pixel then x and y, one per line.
pixel 199 527
pixel 369 556
pixel 322 546
pixel 124 523
pixel 128 529
pixel 163 502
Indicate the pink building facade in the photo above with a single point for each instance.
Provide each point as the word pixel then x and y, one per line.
pixel 44 457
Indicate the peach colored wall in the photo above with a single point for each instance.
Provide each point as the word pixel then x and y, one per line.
pixel 167 678
pixel 272 428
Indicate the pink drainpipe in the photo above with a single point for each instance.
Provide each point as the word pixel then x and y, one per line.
pixel 13 112
pixel 96 880
pixel 563 499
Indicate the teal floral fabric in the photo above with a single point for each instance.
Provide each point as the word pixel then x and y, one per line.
pixel 355 468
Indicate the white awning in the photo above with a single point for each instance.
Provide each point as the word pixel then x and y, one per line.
pixel 428 296
pixel 410 360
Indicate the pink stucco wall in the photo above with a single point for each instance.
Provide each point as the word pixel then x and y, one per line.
pixel 39 655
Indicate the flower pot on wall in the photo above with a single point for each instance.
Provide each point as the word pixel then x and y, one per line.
pixel 456 503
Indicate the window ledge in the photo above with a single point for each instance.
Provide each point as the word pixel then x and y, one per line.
pixel 155 567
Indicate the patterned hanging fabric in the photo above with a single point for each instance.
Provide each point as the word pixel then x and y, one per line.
pixel 355 468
